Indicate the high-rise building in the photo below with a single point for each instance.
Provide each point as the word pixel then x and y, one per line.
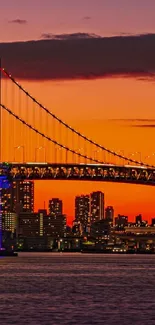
pixel 6 199
pixel 30 224
pixel 153 222
pixel 23 196
pixel 100 229
pixel 54 225
pixel 9 222
pixel 6 206
pixel 4 184
pixel 82 210
pixel 55 207
pixel 121 222
pixel 42 214
pixel 109 213
pixel 96 206
pixel 138 220
pixel 16 199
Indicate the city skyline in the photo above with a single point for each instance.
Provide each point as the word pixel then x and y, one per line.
pixel 88 208
pixel 77 161
pixel 100 105
pixel 92 216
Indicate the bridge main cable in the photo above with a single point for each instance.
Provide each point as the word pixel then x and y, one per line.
pixel 5 72
pixel 48 138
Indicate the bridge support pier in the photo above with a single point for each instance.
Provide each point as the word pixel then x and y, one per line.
pixel 4 184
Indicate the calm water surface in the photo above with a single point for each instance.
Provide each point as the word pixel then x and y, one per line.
pixel 77 289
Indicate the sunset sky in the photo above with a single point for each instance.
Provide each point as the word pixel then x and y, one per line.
pixel 100 81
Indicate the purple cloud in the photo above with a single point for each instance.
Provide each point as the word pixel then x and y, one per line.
pixel 81 55
pixel 86 18
pixel 18 21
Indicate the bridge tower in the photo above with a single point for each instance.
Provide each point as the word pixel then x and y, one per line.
pixel 4 183
pixel 0 160
pixel 0 107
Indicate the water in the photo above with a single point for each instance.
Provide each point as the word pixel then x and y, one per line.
pixel 44 289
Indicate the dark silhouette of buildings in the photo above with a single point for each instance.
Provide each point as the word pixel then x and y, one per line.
pixel 153 222
pixel 100 229
pixel 40 224
pixel 109 213
pixel 30 224
pixel 138 220
pixel 121 222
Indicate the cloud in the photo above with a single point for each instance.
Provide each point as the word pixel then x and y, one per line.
pixel 86 18
pixel 18 21
pixel 81 55
pixel 144 126
pixel 66 37
pixel 139 120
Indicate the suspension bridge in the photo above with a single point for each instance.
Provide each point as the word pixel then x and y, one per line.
pixel 30 131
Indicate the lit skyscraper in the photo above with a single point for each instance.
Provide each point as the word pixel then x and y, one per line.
pixel 16 199
pixel 96 206
pixel 55 207
pixel 82 209
pixel 9 222
pixel 23 196
pixel 4 185
pixel 6 199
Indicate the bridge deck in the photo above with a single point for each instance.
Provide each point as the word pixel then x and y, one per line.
pixel 85 172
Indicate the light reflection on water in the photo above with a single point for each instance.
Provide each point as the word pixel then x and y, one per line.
pixel 77 289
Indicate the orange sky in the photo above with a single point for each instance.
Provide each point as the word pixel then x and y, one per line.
pixel 89 107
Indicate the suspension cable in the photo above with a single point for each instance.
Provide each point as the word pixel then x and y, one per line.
pixel 48 138
pixel 72 129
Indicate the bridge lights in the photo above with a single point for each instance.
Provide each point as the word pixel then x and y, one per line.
pixel 95 153
pixel 121 153
pixel 36 150
pixel 140 155
pixel 17 148
pixel 149 156
pixel 57 150
pixel 79 152
pixel 136 153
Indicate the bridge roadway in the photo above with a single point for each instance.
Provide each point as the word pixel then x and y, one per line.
pixel 83 172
